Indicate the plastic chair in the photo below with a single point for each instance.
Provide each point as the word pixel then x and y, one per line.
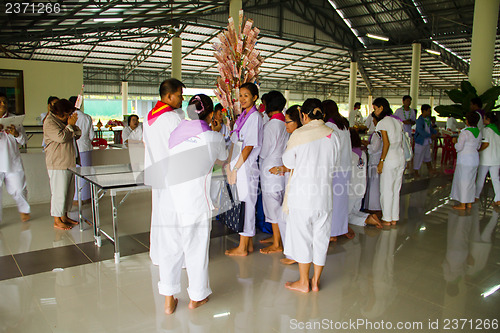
pixel 449 155
pixel 99 142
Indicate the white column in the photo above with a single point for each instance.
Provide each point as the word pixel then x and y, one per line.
pixel 431 102
pixel 483 44
pixel 352 91
pixel 287 97
pixel 415 73
pixel 176 58
pixel 124 98
pixel 370 104
pixel 234 11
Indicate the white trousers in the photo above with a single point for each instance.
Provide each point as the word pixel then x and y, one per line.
pixel 61 190
pixel 153 233
pixel 184 238
pixel 422 154
pixel 372 196
pixel 272 203
pixel 308 235
pixel 463 187
pixel 15 184
pixel 340 202
pixel 356 216
pixel 391 180
pixel 85 160
pixel 482 171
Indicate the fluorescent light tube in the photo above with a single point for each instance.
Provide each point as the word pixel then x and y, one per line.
pixel 433 52
pixel 385 39
pixel 108 19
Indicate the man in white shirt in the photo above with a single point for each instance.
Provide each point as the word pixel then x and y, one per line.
pixel 407 115
pixel 358 117
pixel 133 131
pixel 452 124
pixel 11 166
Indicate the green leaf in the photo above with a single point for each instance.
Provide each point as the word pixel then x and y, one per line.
pixel 455 111
pixel 489 97
pixel 455 95
pixel 468 88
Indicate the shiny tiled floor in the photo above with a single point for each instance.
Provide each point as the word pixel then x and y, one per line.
pixel 435 267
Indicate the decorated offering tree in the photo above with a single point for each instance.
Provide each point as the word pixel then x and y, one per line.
pixel 239 62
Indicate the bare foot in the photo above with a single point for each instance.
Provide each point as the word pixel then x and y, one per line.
pixel 298 286
pixel 250 245
pixel 350 233
pixel 476 200
pixel 287 261
pixel 393 223
pixel 25 217
pixel 236 251
pixel 62 226
pixel 67 220
pixel 170 304
pixel 496 203
pixel 266 240
pixel 271 249
pixel 469 205
pixel 386 223
pixel 460 207
pixel 197 304
pixel 333 239
pixel 314 285
pixel 373 220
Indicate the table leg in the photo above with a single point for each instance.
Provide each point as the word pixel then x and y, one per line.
pixel 95 214
pixel 79 196
pixel 115 226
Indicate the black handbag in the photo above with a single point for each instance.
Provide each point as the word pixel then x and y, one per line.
pixel 232 211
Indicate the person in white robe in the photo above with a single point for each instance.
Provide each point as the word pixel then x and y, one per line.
pixel 292 122
pixel 84 145
pixel 369 123
pixel 392 163
pixel 342 175
pixel 11 166
pixel 407 115
pixel 452 124
pixel 357 185
pixel 358 116
pixel 160 122
pixel 463 187
pixel 274 142
pixel 312 153
pixel 424 135
pixel 374 147
pixel 489 157
pixel 133 132
pixel 243 169
pixel 185 235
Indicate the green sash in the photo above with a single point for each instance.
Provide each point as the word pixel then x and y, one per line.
pixel 473 130
pixel 494 128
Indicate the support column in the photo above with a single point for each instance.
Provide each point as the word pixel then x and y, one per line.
pixel 176 58
pixel 370 105
pixel 431 102
pixel 287 97
pixel 352 91
pixel 124 98
pixel 234 10
pixel 483 44
pixel 415 73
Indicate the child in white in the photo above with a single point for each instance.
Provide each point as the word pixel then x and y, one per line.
pixel 463 187
pixel 489 157
pixel 273 186
pixel 11 166
pixel 372 198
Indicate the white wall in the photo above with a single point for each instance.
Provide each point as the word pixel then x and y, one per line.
pixel 43 79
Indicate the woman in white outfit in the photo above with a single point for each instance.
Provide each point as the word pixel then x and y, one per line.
pixel 11 166
pixel 133 131
pixel 342 175
pixel 489 157
pixel 273 186
pixel 312 154
pixel 292 122
pixel 463 188
pixel 193 150
pixel 84 145
pixel 392 163
pixel 243 169
pixel 374 147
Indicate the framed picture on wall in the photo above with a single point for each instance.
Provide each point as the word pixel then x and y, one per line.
pixel 11 84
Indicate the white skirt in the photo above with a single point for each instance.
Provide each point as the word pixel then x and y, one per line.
pixel 463 188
